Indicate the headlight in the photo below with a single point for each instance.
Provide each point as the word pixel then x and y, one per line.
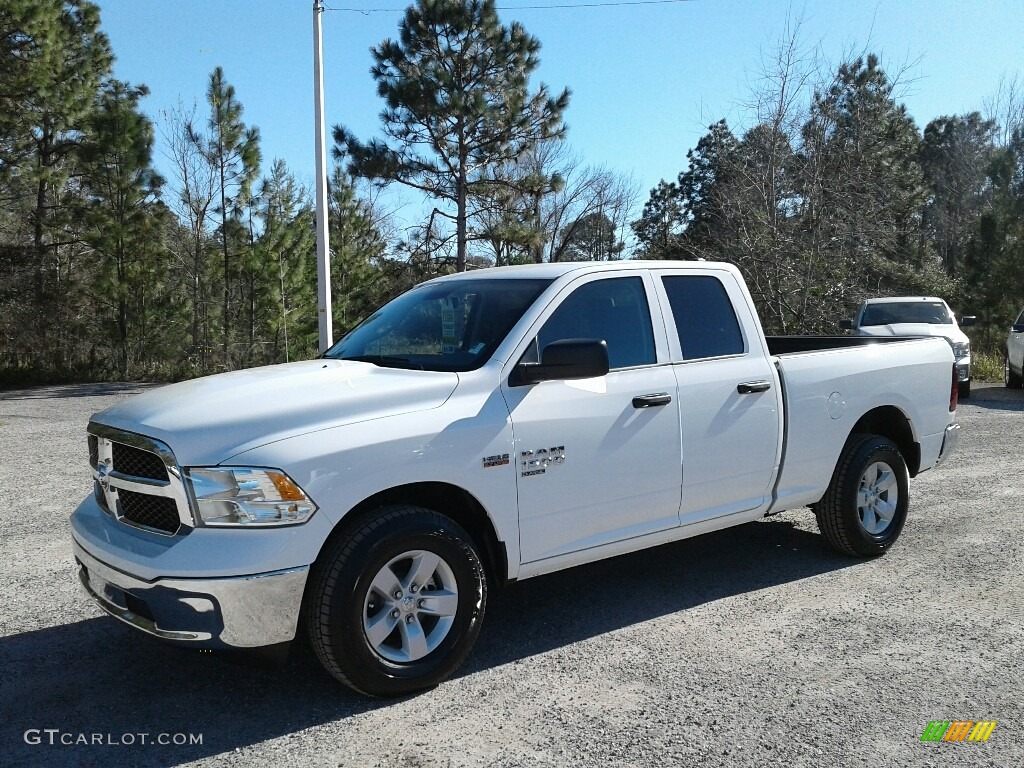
pixel 961 348
pixel 247 496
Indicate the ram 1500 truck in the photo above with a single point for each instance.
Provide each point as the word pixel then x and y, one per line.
pixel 917 316
pixel 486 427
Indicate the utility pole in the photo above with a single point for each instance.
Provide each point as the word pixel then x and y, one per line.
pixel 323 253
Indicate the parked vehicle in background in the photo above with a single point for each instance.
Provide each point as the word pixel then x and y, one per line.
pixel 917 316
pixel 1013 362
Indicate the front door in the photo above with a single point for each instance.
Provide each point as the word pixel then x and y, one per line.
pixel 598 459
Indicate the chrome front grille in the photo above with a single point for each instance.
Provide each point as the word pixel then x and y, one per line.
pixel 137 480
pixel 94 451
pixel 138 463
pixel 147 511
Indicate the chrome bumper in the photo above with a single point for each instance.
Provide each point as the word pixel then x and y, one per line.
pixel 949 443
pixel 240 612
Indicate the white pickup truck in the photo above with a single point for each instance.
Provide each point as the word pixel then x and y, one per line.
pixel 917 316
pixel 486 427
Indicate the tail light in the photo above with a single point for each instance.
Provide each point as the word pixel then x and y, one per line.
pixel 954 390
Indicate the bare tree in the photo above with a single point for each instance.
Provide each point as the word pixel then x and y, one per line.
pixel 818 201
pixel 536 221
pixel 194 183
pixel 1006 107
pixel 588 192
pixel 764 213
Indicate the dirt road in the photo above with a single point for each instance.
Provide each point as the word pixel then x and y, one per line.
pixel 755 646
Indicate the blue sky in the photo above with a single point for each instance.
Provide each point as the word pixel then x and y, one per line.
pixel 646 79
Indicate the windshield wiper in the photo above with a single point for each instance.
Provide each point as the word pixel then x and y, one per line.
pixel 386 361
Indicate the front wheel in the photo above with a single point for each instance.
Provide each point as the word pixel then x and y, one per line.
pixel 397 604
pixel 1011 379
pixel 865 506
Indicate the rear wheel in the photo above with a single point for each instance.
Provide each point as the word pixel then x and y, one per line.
pixel 864 509
pixel 398 603
pixel 964 390
pixel 1011 379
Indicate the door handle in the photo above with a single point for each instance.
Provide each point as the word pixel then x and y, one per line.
pixel 749 387
pixel 649 401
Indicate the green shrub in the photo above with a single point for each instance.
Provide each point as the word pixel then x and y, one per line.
pixel 986 366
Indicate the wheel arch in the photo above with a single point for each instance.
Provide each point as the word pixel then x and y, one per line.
pixel 447 499
pixel 890 422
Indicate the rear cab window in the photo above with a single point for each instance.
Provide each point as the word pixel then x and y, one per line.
pixel 703 316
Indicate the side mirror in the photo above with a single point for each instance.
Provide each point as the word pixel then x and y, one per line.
pixel 846 325
pixel 967 320
pixel 563 360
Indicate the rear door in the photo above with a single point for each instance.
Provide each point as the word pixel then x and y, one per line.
pixel 729 399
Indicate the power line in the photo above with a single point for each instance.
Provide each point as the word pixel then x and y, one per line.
pixel 367 11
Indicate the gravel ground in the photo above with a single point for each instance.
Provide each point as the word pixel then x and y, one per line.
pixel 754 646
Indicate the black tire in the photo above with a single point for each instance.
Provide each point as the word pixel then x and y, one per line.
pixel 346 602
pixel 964 390
pixel 856 528
pixel 1011 379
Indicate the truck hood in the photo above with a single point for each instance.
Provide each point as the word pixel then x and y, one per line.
pixel 948 331
pixel 207 421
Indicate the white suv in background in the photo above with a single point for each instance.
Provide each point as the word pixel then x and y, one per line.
pixel 1013 363
pixel 918 316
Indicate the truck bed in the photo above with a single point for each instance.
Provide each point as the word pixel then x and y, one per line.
pixel 830 382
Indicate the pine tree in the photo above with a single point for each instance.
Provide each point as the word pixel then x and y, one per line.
pixel 284 300
pixel 702 191
pixel 660 226
pixel 955 156
pixel 53 59
pixel 685 219
pixel 456 88
pixel 863 149
pixel 125 222
pixel 357 281
pixel 233 150
pixel 994 258
pixel 593 238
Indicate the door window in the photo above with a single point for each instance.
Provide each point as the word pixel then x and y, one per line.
pixel 615 310
pixel 704 317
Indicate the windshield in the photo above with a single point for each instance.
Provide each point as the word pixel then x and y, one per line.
pixel 448 326
pixel 931 312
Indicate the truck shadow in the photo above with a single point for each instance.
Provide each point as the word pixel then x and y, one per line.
pixel 562 608
pixel 99 677
pixel 59 391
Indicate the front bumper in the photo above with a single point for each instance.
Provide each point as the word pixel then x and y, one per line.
pixel 237 612
pixel 949 443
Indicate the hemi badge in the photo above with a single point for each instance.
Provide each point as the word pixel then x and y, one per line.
pixel 495 461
